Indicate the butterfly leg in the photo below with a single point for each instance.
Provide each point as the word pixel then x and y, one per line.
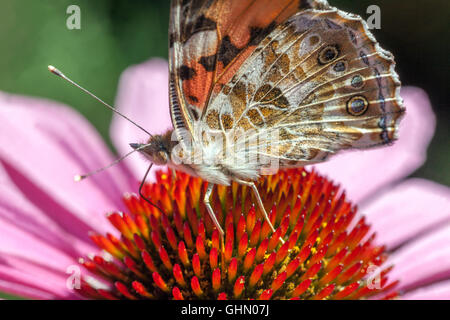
pixel 206 201
pixel 141 187
pixel 174 175
pixel 260 203
pixel 210 209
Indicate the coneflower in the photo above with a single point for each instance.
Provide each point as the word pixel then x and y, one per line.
pixel 45 217
pixel 177 253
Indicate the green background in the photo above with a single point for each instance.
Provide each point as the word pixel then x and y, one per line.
pixel 117 33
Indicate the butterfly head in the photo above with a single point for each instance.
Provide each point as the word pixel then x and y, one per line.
pixel 156 149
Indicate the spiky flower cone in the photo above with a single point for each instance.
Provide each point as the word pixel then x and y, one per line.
pixel 178 254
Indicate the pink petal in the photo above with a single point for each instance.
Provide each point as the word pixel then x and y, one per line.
pixel 42 146
pixel 25 291
pixel 31 280
pixel 362 173
pixel 408 210
pixel 143 97
pixel 35 250
pixel 439 291
pixel 45 216
pixel 28 231
pixel 423 261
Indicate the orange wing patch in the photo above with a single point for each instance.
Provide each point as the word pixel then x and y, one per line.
pixel 216 37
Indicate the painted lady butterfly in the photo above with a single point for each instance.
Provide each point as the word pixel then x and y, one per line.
pixel 310 73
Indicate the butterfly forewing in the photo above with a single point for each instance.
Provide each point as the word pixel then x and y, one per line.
pixel 210 40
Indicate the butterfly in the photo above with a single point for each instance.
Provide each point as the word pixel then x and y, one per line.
pixel 244 71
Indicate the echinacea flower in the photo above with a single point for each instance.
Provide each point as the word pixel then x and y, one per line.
pixel 48 222
pixel 176 253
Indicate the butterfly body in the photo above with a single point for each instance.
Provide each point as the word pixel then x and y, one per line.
pixel 205 161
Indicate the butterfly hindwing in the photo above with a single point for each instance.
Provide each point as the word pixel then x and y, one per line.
pixel 321 81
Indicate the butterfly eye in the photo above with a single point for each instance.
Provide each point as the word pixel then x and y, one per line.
pixel 328 54
pixel 357 105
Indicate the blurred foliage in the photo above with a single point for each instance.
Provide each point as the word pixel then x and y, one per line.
pixel 117 33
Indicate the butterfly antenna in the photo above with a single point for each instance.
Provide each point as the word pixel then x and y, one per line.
pixel 78 178
pixel 55 71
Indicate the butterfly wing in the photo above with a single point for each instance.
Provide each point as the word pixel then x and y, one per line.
pixel 320 81
pixel 210 40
